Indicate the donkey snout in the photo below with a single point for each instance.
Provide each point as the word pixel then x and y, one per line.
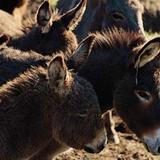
pixel 152 143
pixel 97 145
pixel 94 149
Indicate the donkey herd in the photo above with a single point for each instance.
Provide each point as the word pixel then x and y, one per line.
pixel 61 72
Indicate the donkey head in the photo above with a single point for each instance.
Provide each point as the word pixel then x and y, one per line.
pixel 77 120
pixel 137 97
pixel 124 13
pixel 57 29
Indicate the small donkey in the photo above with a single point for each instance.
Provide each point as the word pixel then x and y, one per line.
pixel 53 32
pixel 43 108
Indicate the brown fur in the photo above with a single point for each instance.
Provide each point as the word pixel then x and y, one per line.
pixel 14 62
pixel 124 72
pixel 15 7
pixel 30 14
pixel 9 26
pixel 52 34
pixel 104 14
pixel 39 107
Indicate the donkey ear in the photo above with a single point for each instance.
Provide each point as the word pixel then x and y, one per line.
pixel 82 53
pixel 71 19
pixel 148 53
pixel 58 75
pixel 44 14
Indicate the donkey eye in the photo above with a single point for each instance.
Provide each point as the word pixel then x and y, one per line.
pixel 143 96
pixel 117 16
pixel 83 114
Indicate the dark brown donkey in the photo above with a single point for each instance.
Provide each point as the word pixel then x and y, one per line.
pixel 137 95
pixel 125 71
pixel 103 61
pixel 104 14
pixel 53 32
pixel 49 107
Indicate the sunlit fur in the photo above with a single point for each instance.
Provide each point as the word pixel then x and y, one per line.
pixel 33 117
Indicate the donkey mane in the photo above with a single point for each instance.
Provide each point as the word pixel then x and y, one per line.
pixel 20 85
pixel 117 39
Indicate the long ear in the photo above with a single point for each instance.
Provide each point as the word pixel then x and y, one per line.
pixel 82 53
pixel 71 19
pixel 58 76
pixel 44 15
pixel 148 53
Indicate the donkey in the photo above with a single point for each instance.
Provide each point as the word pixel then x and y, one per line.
pixel 104 14
pixel 53 32
pixel 102 61
pixel 49 107
pixel 151 15
pixel 8 25
pixel 9 6
pixel 13 62
pixel 137 95
pixel 125 74
pixel 15 7
pixel 31 10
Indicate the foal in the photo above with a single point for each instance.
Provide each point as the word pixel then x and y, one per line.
pixel 49 107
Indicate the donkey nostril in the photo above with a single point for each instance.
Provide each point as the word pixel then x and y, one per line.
pixel 158 149
pixel 89 149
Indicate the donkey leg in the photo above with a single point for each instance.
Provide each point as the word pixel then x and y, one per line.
pixel 110 127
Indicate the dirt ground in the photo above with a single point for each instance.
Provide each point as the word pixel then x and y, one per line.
pixel 130 148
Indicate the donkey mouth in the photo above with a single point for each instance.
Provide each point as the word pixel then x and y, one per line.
pixel 93 150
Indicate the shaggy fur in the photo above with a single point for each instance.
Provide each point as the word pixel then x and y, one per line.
pixel 9 6
pixel 53 33
pixel 31 11
pixel 35 113
pixel 15 7
pixel 9 26
pixel 13 62
pixel 111 67
pixel 108 61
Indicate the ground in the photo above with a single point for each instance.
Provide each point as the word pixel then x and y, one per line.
pixel 130 148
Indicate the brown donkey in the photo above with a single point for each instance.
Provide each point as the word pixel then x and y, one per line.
pixel 43 108
pixel 104 14
pixel 125 74
pixel 8 25
pixel 53 32
pixel 137 95
pixel 15 7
